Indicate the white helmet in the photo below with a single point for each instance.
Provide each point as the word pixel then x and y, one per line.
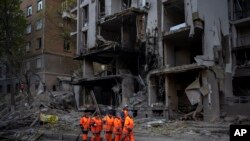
pixel 130 113
pixel 125 106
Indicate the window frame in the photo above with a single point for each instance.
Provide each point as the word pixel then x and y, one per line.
pixel 28 46
pixel 85 16
pixel 66 45
pixel 29 29
pixel 39 22
pixel 39 43
pixel 29 10
pixel 39 8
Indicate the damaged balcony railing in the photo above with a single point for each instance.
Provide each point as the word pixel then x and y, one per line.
pixel 238 99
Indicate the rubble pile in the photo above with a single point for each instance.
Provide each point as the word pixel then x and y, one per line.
pixel 161 127
pixel 138 99
pixel 24 123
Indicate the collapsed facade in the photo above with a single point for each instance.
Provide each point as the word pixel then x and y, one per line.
pixel 112 45
pixel 167 57
pixel 196 59
pixel 239 16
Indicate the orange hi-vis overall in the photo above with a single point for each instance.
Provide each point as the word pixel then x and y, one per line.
pixel 128 129
pixel 96 128
pixel 117 128
pixel 108 127
pixel 125 112
pixel 85 123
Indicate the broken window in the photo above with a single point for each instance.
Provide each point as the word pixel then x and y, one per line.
pixel 174 15
pixel 101 8
pixel 85 15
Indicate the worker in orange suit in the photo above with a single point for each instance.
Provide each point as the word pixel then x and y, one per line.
pixel 96 128
pixel 85 126
pixel 124 113
pixel 117 130
pixel 127 131
pixel 108 121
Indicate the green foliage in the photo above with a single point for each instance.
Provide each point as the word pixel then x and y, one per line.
pixel 12 29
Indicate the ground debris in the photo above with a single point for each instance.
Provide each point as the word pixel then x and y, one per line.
pixel 176 128
pixel 24 123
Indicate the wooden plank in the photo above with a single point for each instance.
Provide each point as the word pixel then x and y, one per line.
pixel 95 102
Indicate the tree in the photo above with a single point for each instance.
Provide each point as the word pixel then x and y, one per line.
pixel 12 28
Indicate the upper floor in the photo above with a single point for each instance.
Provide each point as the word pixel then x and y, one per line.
pixel 108 21
pixel 47 30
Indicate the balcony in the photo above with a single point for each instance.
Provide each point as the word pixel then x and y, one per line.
pixel 66 15
pixel 66 7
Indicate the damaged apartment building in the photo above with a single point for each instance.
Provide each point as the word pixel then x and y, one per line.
pixel 112 43
pixel 239 16
pixel 196 70
pixel 170 58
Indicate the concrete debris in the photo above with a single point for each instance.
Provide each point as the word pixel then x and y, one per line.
pixel 181 128
pixel 203 60
pixel 138 99
pixel 237 119
pixel 230 119
pixel 177 27
pixel 159 104
pixel 24 123
pixel 155 123
pixel 193 114
pixel 193 92
pixel 101 42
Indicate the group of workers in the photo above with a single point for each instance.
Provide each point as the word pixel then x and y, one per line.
pixel 120 126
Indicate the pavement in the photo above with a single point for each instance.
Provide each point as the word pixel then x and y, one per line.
pixel 190 138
